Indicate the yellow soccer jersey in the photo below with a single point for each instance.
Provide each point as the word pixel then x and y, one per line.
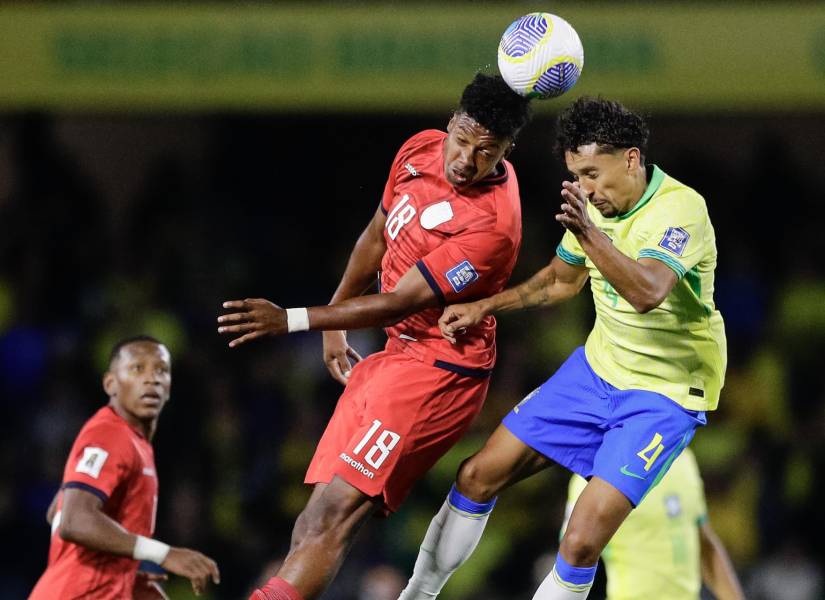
pixel 677 349
pixel 655 554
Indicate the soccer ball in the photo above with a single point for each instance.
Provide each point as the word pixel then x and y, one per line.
pixel 540 55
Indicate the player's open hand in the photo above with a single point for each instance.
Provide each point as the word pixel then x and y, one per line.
pixel 338 354
pixel 253 318
pixel 193 565
pixel 457 318
pixel 573 213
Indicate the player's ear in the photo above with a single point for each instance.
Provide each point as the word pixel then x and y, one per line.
pixel 109 384
pixel 633 156
pixel 451 123
pixel 509 149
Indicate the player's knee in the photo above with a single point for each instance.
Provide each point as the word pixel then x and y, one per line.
pixel 579 549
pixel 473 482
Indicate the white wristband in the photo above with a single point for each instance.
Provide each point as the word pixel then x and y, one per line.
pixel 297 319
pixel 149 549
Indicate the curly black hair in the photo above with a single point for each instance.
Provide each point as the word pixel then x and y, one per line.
pixel 490 102
pixel 604 122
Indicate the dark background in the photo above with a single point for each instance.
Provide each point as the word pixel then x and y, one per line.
pixel 114 225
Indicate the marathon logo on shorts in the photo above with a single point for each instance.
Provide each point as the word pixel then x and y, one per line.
pixel 462 275
pixel 675 240
pixel 356 465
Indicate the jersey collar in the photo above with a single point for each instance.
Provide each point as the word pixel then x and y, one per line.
pixel 655 178
pixel 499 175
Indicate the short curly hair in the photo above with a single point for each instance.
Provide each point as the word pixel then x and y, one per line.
pixel 490 102
pixel 604 122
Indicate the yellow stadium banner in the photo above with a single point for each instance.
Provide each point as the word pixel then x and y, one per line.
pixel 398 57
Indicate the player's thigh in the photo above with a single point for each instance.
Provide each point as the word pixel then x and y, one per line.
pixel 503 461
pixel 338 508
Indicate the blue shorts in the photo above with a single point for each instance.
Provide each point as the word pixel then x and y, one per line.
pixel 628 438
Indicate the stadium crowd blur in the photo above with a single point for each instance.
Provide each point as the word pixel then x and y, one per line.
pixel 112 226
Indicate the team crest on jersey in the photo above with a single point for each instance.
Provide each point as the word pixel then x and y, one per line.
pixel 675 240
pixel 673 506
pixel 462 275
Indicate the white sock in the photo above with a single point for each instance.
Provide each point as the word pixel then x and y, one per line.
pixel 450 540
pixel 555 588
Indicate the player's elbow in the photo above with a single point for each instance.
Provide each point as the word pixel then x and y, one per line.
pixel 72 528
pixel 646 301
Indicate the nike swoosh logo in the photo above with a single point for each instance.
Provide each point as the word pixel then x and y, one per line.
pixel 630 473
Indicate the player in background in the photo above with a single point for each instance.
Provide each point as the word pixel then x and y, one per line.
pixel 448 229
pixel 666 547
pixel 103 517
pixel 622 408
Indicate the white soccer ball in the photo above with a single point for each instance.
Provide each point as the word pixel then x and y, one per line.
pixel 540 55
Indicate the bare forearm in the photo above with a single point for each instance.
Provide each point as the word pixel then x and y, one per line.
pixel 97 531
pixel 542 289
pixel 629 278
pixel 717 570
pixel 372 310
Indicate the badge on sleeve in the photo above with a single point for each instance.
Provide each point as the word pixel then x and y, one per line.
pixel 92 461
pixel 462 275
pixel 675 240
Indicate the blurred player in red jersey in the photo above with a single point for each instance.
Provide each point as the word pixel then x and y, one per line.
pixel 103 516
pixel 448 229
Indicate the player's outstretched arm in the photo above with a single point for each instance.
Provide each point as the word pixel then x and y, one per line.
pixel 717 571
pixel 83 522
pixel 644 283
pixel 256 317
pixel 557 282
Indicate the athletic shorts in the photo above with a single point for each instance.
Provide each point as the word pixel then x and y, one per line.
pixel 396 418
pixel 628 438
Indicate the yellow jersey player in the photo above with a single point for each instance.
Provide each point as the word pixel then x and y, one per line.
pixel 622 408
pixel 666 547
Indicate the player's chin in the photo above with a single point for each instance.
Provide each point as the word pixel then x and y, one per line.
pixel 606 210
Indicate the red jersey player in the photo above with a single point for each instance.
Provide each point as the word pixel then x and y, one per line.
pixel 448 229
pixel 104 515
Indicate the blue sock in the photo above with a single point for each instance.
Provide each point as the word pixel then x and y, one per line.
pixel 468 507
pixel 574 575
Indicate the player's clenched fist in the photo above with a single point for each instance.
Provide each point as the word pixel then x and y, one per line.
pixel 254 317
pixel 457 318
pixel 196 567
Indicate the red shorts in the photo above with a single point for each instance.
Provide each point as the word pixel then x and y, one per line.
pixel 396 418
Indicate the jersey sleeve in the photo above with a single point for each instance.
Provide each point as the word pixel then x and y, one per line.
pixel 570 251
pixel 675 233
pixel 102 458
pixel 467 266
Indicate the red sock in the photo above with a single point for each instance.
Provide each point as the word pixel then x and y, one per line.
pixel 276 589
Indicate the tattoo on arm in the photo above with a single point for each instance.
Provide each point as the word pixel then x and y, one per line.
pixel 536 290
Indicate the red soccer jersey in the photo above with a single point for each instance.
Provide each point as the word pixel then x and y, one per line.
pixel 465 243
pixel 113 461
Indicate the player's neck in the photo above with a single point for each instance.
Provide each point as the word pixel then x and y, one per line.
pixel 145 427
pixel 640 184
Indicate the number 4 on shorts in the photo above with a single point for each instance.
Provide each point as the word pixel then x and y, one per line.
pixel 655 447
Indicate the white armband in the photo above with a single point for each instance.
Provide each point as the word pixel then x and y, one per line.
pixel 149 549
pixel 297 319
